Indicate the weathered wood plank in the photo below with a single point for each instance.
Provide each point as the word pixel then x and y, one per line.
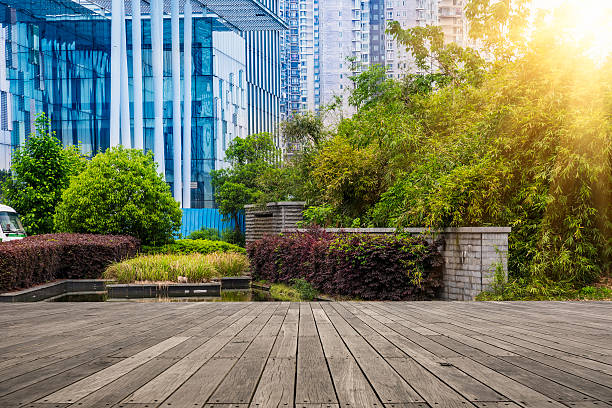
pixel 346 354
pixel 389 386
pixel 545 386
pixel 433 391
pixel 351 385
pixel 94 382
pixel 198 388
pixel 313 380
pixel 277 384
pixel 515 391
pixel 167 382
pixel 39 389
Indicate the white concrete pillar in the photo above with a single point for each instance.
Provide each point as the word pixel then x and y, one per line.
pixel 137 73
pixel 187 34
pixel 157 42
pixel 126 136
pixel 116 12
pixel 176 100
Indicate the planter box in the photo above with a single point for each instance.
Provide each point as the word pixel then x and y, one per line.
pixel 54 289
pixel 136 291
pixel 239 282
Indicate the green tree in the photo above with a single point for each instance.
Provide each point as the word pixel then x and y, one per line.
pixel 303 129
pixel 371 86
pixel 120 192
pixel 41 171
pixel 524 141
pixel 249 157
pixel 501 26
pixel 432 55
pixel 4 175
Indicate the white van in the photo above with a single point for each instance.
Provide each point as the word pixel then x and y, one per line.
pixel 10 225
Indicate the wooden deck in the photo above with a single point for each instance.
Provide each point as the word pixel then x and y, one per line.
pixel 314 355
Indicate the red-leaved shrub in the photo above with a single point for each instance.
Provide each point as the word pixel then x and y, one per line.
pixel 43 258
pixel 364 266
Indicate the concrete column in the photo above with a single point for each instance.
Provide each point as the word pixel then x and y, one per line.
pixel 116 12
pixel 126 136
pixel 176 101
pixel 157 43
pixel 187 34
pixel 137 73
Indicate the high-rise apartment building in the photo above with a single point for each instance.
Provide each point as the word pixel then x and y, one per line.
pixel 181 78
pixel 451 19
pixel 408 13
pixel 300 56
pixel 330 40
pixel 344 46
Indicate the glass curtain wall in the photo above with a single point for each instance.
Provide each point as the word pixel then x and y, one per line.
pixel 202 124
pixel 55 59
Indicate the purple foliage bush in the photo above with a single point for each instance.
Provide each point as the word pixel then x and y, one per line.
pixel 43 258
pixel 365 266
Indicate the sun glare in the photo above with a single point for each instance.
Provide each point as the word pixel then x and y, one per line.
pixel 588 21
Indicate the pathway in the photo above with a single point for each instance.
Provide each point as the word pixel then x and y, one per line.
pixel 312 355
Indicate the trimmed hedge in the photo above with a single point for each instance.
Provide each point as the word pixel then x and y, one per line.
pixel 193 246
pixel 369 267
pixel 44 258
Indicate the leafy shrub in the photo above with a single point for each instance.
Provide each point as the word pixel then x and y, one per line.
pixel 321 216
pixel 192 246
pixel 284 293
pixel 41 171
pixel 43 258
pixel 4 175
pixel 535 289
pixel 525 145
pixel 233 236
pixel 120 192
pixel 250 158
pixel 385 267
pixel 298 291
pixel 211 234
pixel 168 268
pixel 305 289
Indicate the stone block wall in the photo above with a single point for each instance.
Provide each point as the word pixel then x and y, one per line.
pixel 471 257
pixel 274 218
pixel 471 254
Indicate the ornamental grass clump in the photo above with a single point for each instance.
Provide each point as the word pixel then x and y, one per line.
pixel 162 268
pixel 229 263
pixel 193 268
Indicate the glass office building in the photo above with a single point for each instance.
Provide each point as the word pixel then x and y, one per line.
pixel 56 56
pixel 55 65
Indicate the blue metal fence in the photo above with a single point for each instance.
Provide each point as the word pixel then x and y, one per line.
pixel 198 218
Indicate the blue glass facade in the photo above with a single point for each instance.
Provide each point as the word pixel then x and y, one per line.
pixel 55 58
pixel 203 117
pixel 59 67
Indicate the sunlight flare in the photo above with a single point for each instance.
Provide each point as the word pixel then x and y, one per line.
pixel 587 22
